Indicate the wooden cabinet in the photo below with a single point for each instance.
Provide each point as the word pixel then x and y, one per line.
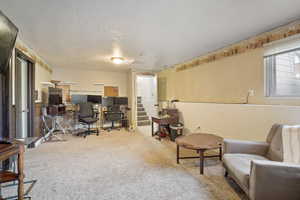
pixel 110 91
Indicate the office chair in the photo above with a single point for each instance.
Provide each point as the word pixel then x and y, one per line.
pixel 113 117
pixel 87 117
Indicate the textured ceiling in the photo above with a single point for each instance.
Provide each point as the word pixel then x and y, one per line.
pixel 152 33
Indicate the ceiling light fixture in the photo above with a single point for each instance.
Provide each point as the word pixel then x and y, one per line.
pixel 117 60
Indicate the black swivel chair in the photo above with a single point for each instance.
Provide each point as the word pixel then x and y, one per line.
pixel 87 116
pixel 114 115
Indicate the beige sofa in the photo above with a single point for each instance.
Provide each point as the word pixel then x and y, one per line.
pixel 258 169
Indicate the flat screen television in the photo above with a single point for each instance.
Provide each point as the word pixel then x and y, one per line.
pixel 55 99
pixel 97 99
pixel 8 35
pixel 121 100
pixel 55 96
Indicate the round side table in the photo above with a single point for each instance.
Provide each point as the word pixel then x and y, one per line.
pixel 199 142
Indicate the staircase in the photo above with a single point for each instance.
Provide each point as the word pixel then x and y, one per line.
pixel 142 117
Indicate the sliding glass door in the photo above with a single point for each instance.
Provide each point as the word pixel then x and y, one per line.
pixel 22 107
pixel 24 101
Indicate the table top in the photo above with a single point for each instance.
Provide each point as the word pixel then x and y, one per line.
pixel 198 141
pixel 7 150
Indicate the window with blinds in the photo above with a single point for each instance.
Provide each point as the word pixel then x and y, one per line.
pixel 283 72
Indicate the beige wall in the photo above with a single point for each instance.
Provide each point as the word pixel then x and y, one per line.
pixel 85 79
pixel 238 121
pixel 42 74
pixel 224 81
pixel 207 93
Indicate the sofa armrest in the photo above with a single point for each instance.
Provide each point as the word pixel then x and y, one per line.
pixel 248 147
pixel 274 180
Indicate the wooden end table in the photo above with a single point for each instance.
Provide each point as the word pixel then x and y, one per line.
pixel 161 121
pixel 6 151
pixel 199 142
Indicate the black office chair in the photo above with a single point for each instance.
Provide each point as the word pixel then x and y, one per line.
pixel 87 116
pixel 113 117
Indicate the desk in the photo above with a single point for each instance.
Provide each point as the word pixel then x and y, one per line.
pixel 6 151
pixel 56 109
pixel 160 120
pixel 170 116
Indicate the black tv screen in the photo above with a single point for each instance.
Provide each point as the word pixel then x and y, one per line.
pixel 55 99
pixel 94 99
pixel 121 101
pixel 55 96
pixel 8 35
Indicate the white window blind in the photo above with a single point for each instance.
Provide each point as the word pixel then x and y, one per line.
pixel 282 63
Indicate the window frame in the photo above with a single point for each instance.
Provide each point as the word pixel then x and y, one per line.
pixel 270 76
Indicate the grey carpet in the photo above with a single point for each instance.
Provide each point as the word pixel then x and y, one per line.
pixel 120 166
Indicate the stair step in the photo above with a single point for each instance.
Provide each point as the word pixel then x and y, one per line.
pixel 139 97
pixel 142 118
pixel 143 123
pixel 140 105
pixel 141 113
pixel 139 101
pixel 140 109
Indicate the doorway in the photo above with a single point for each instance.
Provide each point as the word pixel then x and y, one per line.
pixel 146 98
pixel 24 96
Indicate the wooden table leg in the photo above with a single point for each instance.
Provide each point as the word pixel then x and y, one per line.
pixel 159 131
pixel 201 156
pixel 152 128
pixel 221 153
pixel 177 154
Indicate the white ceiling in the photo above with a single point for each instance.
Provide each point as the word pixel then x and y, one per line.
pixel 154 33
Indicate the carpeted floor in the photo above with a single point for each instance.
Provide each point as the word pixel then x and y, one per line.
pixel 120 165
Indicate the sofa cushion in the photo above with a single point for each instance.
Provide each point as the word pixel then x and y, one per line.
pixel 275 152
pixel 239 165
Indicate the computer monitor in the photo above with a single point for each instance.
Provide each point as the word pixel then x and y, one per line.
pixel 78 98
pixel 55 99
pixel 55 96
pixel 121 100
pixel 108 101
pixel 97 99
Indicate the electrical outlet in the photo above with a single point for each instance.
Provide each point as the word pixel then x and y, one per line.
pixel 251 92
